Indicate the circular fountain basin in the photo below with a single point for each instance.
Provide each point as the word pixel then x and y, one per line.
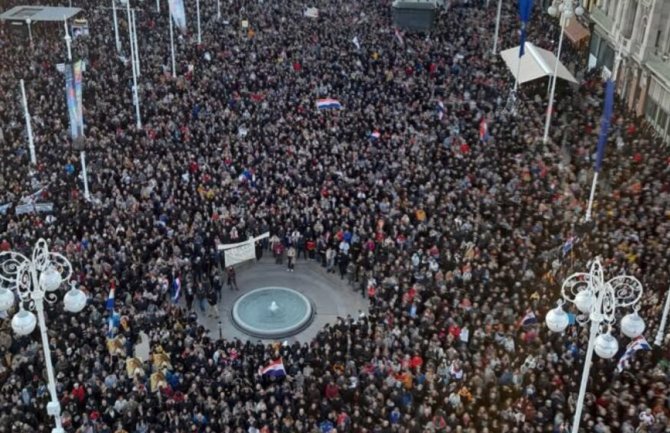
pixel 272 312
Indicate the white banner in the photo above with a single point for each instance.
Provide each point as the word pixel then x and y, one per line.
pixel 177 13
pixel 34 208
pixel 241 252
pixel 311 13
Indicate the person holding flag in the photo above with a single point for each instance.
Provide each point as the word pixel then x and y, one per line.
pixel 483 130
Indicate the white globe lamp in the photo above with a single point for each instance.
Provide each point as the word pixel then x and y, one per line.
pixel 579 11
pixel 552 10
pixel 50 279
pixel 584 301
pixel 24 322
pixel 632 325
pixel 557 320
pixel 74 300
pixel 606 346
pixel 6 299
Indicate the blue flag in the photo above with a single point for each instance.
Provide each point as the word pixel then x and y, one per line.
pixel 525 7
pixel 605 123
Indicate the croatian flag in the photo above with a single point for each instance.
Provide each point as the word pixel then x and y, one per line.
pixel 273 369
pixel 639 343
pixel 111 299
pixel 483 130
pixel 328 104
pixel 176 287
pixel 375 135
pixel 440 110
pixel 529 319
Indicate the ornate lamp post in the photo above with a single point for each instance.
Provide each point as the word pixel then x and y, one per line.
pixel 565 10
pixel 598 301
pixel 34 282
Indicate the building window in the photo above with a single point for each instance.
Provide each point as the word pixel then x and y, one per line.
pixel 661 121
pixel 629 16
pixel 643 30
pixel 602 4
pixel 650 109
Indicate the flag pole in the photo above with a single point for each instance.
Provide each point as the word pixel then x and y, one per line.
pixel 218 9
pixel 158 6
pixel 136 97
pixel 174 65
pixel 604 126
pixel 664 319
pixel 197 8
pixel 30 31
pixel 137 48
pixel 495 36
pixel 547 122
pixel 87 196
pixel 29 129
pixel 68 41
pixel 518 71
pixel 591 197
pixel 116 27
pixel 521 51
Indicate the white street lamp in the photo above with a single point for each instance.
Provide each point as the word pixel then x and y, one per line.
pixel 598 301
pixel 565 10
pixel 34 282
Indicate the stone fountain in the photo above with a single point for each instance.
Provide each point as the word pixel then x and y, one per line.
pixel 272 312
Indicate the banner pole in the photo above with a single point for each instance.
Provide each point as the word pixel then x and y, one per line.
pixel 547 122
pixel 29 129
pixel 137 48
pixel 87 196
pixel 174 65
pixel 197 8
pixel 495 36
pixel 136 96
pixel 116 27
pixel 591 197
pixel 68 41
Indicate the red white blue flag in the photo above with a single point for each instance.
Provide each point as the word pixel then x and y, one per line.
pixel 639 343
pixel 274 369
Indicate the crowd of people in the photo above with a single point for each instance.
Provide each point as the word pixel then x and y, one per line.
pixel 452 238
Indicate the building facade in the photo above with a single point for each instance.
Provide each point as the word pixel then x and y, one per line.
pixel 631 39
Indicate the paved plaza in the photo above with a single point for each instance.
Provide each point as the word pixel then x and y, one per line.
pixel 331 296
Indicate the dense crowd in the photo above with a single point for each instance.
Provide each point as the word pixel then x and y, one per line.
pixel 452 239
